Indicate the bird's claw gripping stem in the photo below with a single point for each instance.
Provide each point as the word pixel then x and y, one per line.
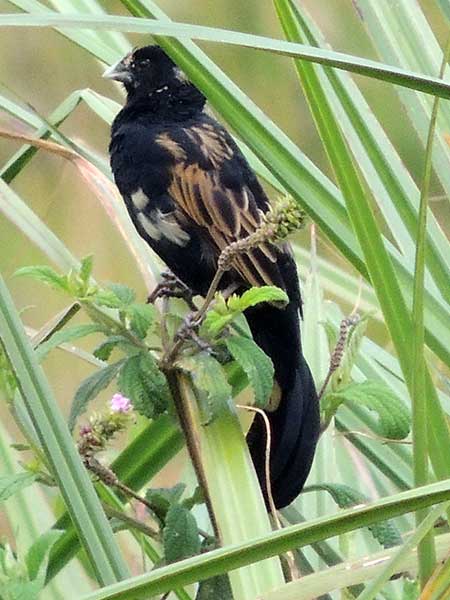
pixel 171 287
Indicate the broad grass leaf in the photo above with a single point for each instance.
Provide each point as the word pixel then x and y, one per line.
pixel 11 484
pixel 68 334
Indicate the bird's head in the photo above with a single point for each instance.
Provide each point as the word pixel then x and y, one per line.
pixel 147 70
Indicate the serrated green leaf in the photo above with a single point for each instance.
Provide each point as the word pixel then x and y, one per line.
pixel 11 484
pixel 146 386
pixel 256 295
pixel 104 349
pixel 86 268
pixel 222 314
pixel 394 418
pixel 142 317
pixel 68 334
pixel 197 497
pixel 90 388
pixel 37 556
pixel 385 532
pixel 180 534
pixel 125 294
pixel 256 364
pixel 162 499
pixel 215 322
pixel 210 380
pixel 217 588
pixel 106 298
pixel 45 274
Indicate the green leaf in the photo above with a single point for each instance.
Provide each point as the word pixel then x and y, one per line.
pixel 355 64
pixel 256 364
pixel 210 380
pixel 142 317
pixel 45 274
pixel 37 556
pixel 104 349
pixel 107 298
pixel 141 380
pixel 385 532
pixel 276 542
pixel 123 293
pixel 162 499
pixel 394 417
pixel 90 388
pixel 58 447
pixel 68 334
pixel 256 295
pixel 86 268
pixel 215 322
pixel 10 484
pixel 224 312
pixel 217 588
pixel 180 534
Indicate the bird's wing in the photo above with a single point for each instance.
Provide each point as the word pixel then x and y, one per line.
pixel 227 213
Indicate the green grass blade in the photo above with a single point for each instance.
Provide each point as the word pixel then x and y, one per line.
pixel 378 261
pixel 60 451
pixel 393 565
pixel 35 230
pixel 112 39
pixel 427 558
pixel 403 36
pixel 135 466
pixel 350 573
pixel 85 39
pixel 354 64
pixel 29 514
pixel 227 559
pixel 384 173
pixel 298 175
pixel 231 487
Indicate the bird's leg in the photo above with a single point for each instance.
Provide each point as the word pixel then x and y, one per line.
pixel 189 331
pixel 172 287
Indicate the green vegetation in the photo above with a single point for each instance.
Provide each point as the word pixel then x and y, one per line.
pixel 90 505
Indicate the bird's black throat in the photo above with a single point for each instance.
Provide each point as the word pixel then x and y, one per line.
pixel 176 101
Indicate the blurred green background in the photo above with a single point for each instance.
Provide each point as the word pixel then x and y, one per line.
pixel 41 68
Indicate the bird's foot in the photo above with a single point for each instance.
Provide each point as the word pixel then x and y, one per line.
pixel 172 287
pixel 189 331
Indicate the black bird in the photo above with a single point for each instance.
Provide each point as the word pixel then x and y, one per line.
pixel 190 193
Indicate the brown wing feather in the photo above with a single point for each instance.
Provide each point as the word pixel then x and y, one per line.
pixel 228 216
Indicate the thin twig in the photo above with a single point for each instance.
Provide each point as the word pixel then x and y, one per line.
pixel 134 523
pixel 289 555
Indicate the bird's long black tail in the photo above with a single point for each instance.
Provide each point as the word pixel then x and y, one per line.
pixel 295 422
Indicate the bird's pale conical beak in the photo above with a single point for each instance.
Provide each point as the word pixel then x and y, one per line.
pixel 119 72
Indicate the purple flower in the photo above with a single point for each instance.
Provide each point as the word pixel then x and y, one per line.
pixel 120 404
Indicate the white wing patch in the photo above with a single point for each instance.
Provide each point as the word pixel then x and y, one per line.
pixel 139 199
pixel 158 225
pixel 149 227
pixel 171 229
